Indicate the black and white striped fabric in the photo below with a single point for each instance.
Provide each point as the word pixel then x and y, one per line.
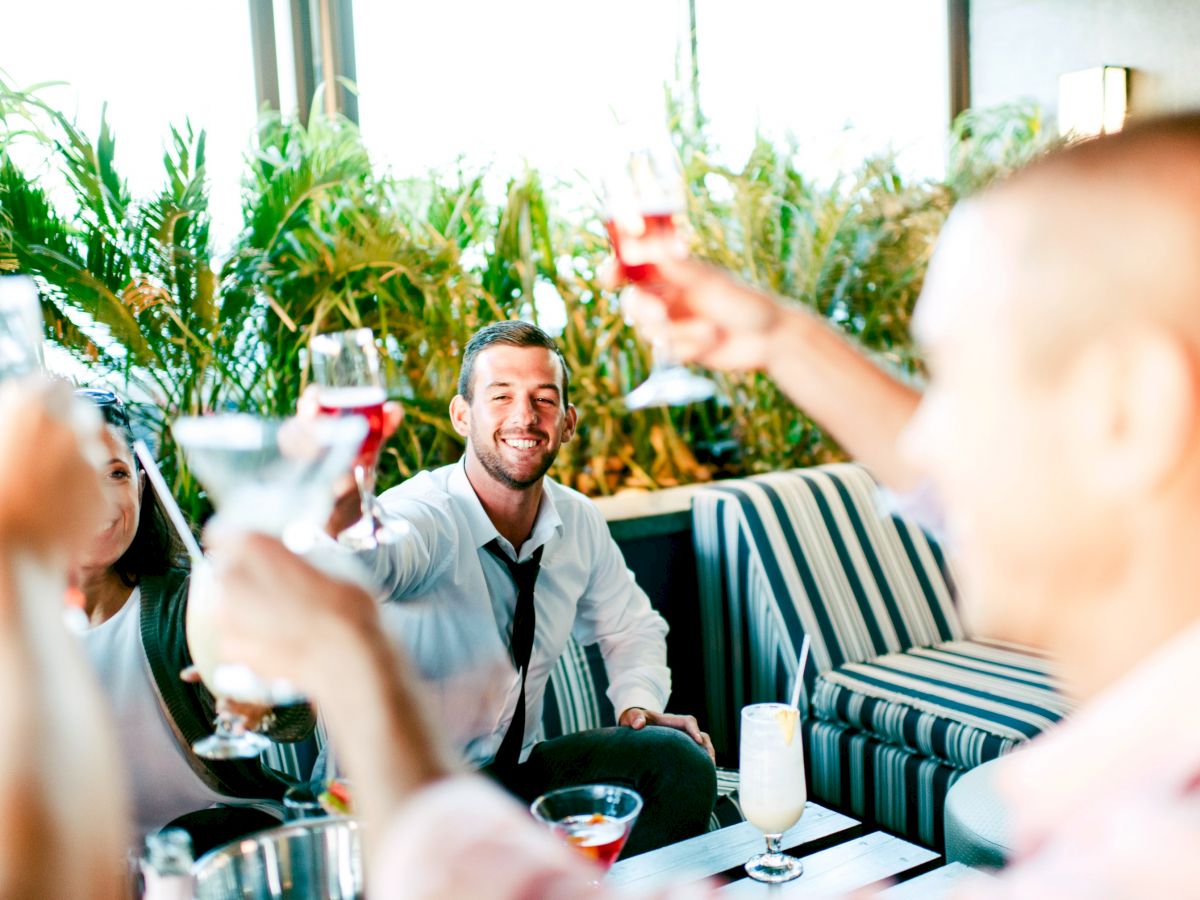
pixel 875 583
pixel 960 702
pixel 575 695
pixel 897 699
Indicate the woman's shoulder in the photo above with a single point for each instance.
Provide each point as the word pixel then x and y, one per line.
pixel 171 583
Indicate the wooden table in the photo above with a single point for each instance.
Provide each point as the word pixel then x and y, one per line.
pixel 838 857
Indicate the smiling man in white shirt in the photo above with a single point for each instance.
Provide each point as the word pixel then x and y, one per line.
pixel 471 533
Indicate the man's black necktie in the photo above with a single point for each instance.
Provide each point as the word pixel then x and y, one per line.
pixel 524 576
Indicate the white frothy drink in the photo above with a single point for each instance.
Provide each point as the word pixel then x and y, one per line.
pixel 222 677
pixel 203 637
pixel 771 789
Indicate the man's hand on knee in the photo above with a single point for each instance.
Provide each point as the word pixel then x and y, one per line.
pixel 637 718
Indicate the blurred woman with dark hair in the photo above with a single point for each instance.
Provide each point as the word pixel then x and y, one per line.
pixel 135 588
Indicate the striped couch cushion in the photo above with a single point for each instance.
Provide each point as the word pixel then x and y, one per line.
pixel 809 551
pixel 575 695
pixel 876 782
pixel 960 702
pixel 897 700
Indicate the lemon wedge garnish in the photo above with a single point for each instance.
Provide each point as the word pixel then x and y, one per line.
pixel 786 720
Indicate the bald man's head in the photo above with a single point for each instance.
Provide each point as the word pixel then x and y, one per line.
pixel 1101 235
pixel 1061 321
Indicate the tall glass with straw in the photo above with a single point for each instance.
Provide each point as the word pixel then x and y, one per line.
pixel 772 789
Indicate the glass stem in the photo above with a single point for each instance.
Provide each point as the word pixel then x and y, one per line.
pixel 230 724
pixel 366 497
pixel 774 845
pixel 661 356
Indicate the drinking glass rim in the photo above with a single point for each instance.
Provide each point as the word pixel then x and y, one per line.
pixel 302 796
pixel 246 431
pixel 336 337
pixel 584 790
pixel 759 711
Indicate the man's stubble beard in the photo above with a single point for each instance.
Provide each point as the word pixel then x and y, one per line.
pixel 494 466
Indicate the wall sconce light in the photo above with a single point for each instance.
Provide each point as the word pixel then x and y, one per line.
pixel 1092 101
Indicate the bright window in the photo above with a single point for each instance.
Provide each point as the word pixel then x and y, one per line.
pixel 156 64
pixel 534 80
pixel 846 79
pixel 504 83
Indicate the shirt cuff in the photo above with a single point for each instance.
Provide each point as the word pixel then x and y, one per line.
pixel 638 697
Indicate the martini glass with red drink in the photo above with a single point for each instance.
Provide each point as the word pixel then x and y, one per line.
pixel 595 819
pixel 349 380
pixel 644 214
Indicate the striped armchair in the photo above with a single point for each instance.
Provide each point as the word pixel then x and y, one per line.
pixel 898 701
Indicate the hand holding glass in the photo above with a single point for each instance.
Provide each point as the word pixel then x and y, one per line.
pixel 644 207
pixel 771 786
pixel 350 383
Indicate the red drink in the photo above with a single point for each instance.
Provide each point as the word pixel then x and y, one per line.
pixel 358 401
pixel 636 252
pixel 596 835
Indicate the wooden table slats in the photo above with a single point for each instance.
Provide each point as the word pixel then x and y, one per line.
pixel 719 851
pixel 847 867
pixel 933 885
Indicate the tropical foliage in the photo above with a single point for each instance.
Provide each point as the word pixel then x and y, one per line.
pixel 137 294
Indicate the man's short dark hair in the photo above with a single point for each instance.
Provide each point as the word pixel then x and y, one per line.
pixel 514 334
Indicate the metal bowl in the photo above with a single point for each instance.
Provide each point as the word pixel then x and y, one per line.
pixel 319 859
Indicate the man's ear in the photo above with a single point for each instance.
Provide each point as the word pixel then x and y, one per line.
pixel 460 415
pixel 1135 395
pixel 570 420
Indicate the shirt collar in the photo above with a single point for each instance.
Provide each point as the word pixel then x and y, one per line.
pixel 546 525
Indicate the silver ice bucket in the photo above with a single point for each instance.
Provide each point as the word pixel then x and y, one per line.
pixel 319 859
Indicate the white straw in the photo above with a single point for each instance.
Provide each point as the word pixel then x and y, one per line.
pixel 168 501
pixel 800 673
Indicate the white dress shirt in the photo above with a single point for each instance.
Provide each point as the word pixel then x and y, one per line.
pixel 458 605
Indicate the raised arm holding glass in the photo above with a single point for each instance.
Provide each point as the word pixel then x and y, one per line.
pixel 1060 431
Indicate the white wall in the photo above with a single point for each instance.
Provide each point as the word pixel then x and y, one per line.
pixel 1020 47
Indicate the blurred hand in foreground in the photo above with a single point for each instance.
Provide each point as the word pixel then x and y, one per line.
pixel 50 455
pixel 285 619
pixel 278 614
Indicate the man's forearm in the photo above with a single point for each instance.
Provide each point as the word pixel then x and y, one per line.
pixel 863 407
pixel 376 721
pixel 51 793
pixel 24 824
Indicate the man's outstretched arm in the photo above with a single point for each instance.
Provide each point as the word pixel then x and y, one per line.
pixel 63 816
pixel 710 318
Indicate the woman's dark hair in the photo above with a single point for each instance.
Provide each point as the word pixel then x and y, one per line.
pixel 155 547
